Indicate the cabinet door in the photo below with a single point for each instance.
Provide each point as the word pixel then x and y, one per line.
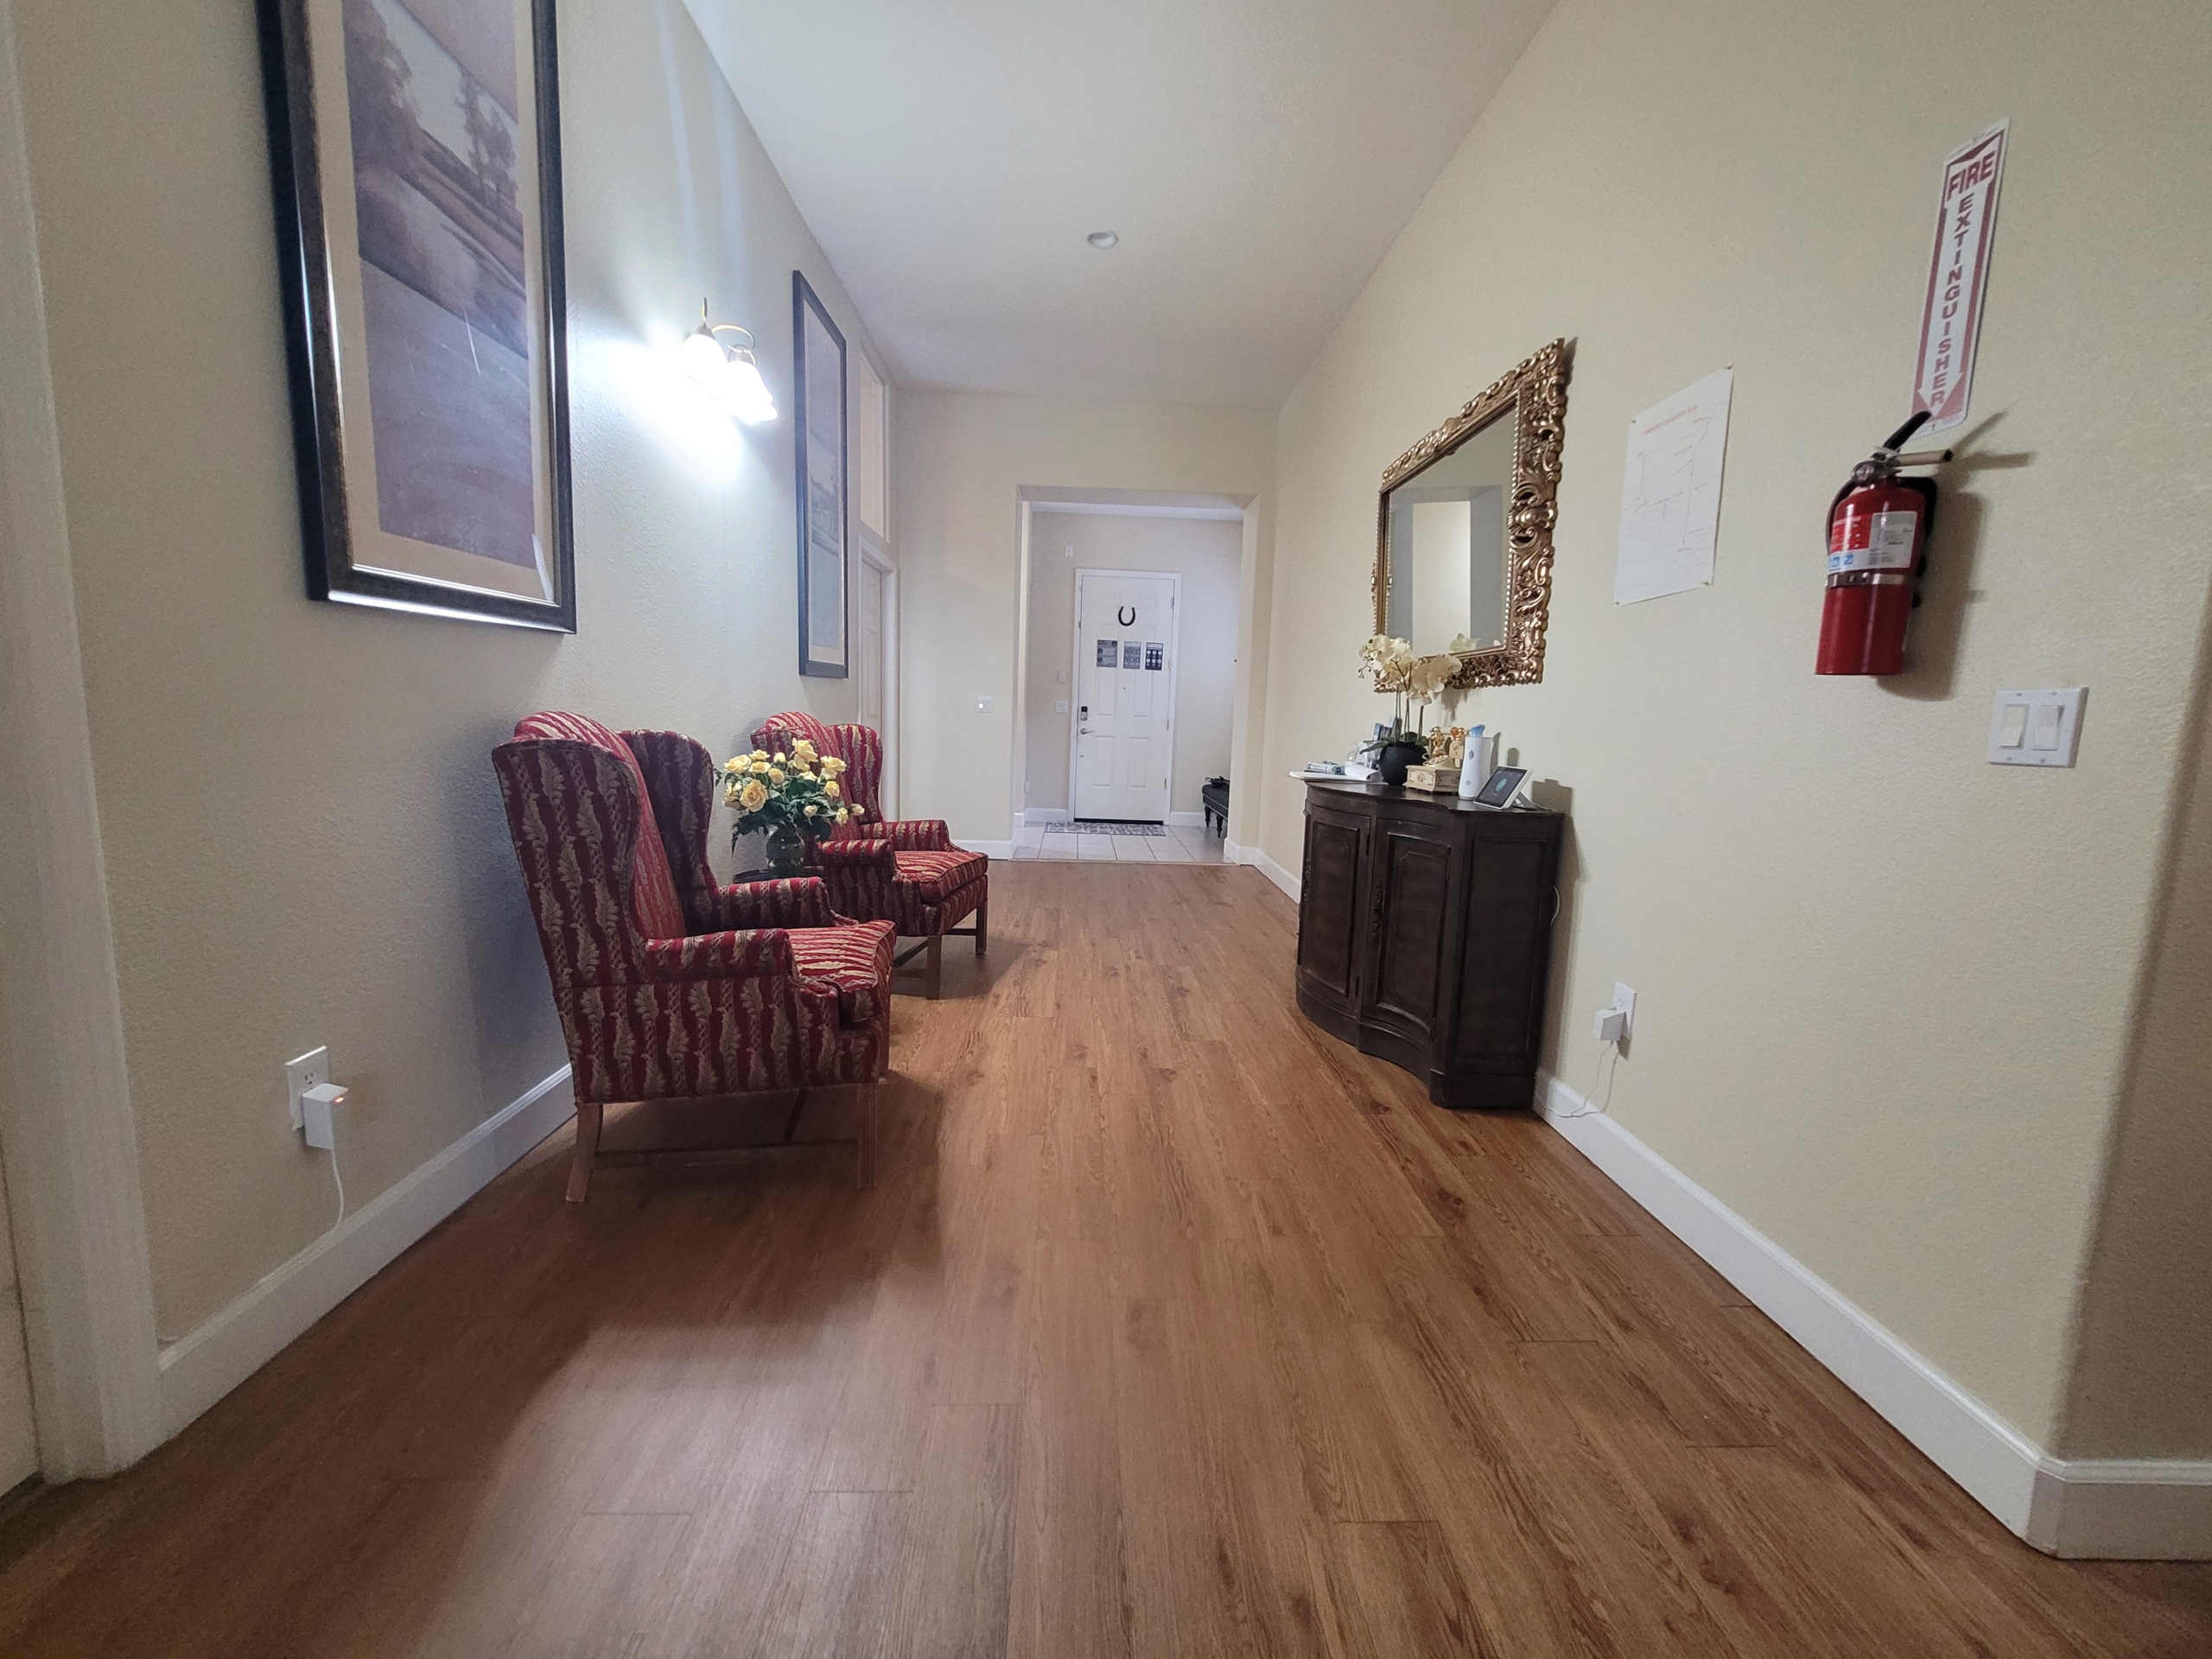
pixel 1510 899
pixel 1331 902
pixel 1413 907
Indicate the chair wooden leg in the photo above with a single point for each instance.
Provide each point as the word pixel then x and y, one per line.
pixel 864 1146
pixel 937 965
pixel 983 921
pixel 589 1114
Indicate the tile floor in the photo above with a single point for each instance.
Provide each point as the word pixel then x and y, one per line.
pixel 1180 845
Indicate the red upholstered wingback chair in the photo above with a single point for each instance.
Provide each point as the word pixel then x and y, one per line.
pixel 906 871
pixel 715 991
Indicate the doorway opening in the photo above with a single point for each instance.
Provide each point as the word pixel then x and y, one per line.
pixel 875 656
pixel 1130 691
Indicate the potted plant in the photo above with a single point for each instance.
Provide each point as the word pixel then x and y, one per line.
pixel 1409 678
pixel 794 800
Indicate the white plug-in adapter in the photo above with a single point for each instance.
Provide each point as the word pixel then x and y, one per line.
pixel 316 1105
pixel 1611 1025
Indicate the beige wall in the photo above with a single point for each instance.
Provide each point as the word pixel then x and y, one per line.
pixel 304 838
pixel 960 462
pixel 1205 552
pixel 1884 987
pixel 19 1434
pixel 2142 1386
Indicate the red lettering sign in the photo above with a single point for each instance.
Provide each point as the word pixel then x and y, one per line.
pixel 1958 276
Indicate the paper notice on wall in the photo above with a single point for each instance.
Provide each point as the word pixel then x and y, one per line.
pixel 1670 496
pixel 1958 273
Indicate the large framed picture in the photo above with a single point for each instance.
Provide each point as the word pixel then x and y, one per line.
pixel 416 148
pixel 818 372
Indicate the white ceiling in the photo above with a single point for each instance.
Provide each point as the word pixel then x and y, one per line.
pixel 1256 157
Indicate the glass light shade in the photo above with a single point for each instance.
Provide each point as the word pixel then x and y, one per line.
pixel 705 361
pixel 745 394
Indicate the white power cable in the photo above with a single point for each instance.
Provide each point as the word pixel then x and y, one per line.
pixel 286 1265
pixel 1591 1103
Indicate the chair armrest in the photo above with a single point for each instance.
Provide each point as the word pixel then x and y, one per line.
pixel 759 953
pixel 919 835
pixel 869 855
pixel 800 902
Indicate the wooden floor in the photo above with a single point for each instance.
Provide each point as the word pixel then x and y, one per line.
pixel 1174 1328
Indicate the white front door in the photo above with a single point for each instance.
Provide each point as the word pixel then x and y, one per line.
pixel 1125 678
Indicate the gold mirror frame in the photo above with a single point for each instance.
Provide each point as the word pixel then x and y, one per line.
pixel 1535 392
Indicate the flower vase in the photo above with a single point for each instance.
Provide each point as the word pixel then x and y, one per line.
pixel 787 849
pixel 1397 757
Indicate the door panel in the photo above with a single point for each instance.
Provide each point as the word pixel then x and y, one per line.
pixel 1331 919
pixel 1416 876
pixel 1096 774
pixel 1124 631
pixel 1509 923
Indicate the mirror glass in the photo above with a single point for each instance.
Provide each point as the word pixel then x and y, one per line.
pixel 1444 534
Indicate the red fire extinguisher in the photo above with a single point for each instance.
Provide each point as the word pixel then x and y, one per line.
pixel 1878 551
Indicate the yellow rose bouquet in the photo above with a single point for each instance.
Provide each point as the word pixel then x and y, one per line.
pixel 792 798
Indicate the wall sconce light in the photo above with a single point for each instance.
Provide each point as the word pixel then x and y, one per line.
pixel 730 375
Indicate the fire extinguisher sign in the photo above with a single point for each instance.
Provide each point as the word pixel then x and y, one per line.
pixel 1958 273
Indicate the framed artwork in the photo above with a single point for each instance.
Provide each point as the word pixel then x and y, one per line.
pixel 416 148
pixel 818 374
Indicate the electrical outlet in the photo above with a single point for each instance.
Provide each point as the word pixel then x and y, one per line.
pixel 982 705
pixel 310 1071
pixel 1624 1000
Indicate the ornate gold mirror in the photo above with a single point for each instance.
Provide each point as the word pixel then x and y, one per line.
pixel 1463 556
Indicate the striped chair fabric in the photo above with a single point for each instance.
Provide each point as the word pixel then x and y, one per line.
pixel 906 872
pixel 775 992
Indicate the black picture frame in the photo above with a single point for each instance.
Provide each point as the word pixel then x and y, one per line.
pixel 350 557
pixel 824 503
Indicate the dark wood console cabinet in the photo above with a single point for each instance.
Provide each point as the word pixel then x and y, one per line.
pixel 1424 935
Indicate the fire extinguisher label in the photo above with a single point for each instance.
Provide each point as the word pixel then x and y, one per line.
pixel 1872 540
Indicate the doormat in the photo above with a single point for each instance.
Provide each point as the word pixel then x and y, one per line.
pixel 1114 826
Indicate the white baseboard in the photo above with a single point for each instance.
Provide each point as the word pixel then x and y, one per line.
pixel 1187 820
pixel 1045 815
pixel 2122 1509
pixel 209 1361
pixel 1267 866
pixel 2156 1509
pixel 990 849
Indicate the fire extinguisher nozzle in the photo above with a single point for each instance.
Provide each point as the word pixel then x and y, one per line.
pixel 1895 440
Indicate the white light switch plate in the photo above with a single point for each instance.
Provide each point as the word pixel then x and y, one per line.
pixel 2035 728
pixel 982 705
